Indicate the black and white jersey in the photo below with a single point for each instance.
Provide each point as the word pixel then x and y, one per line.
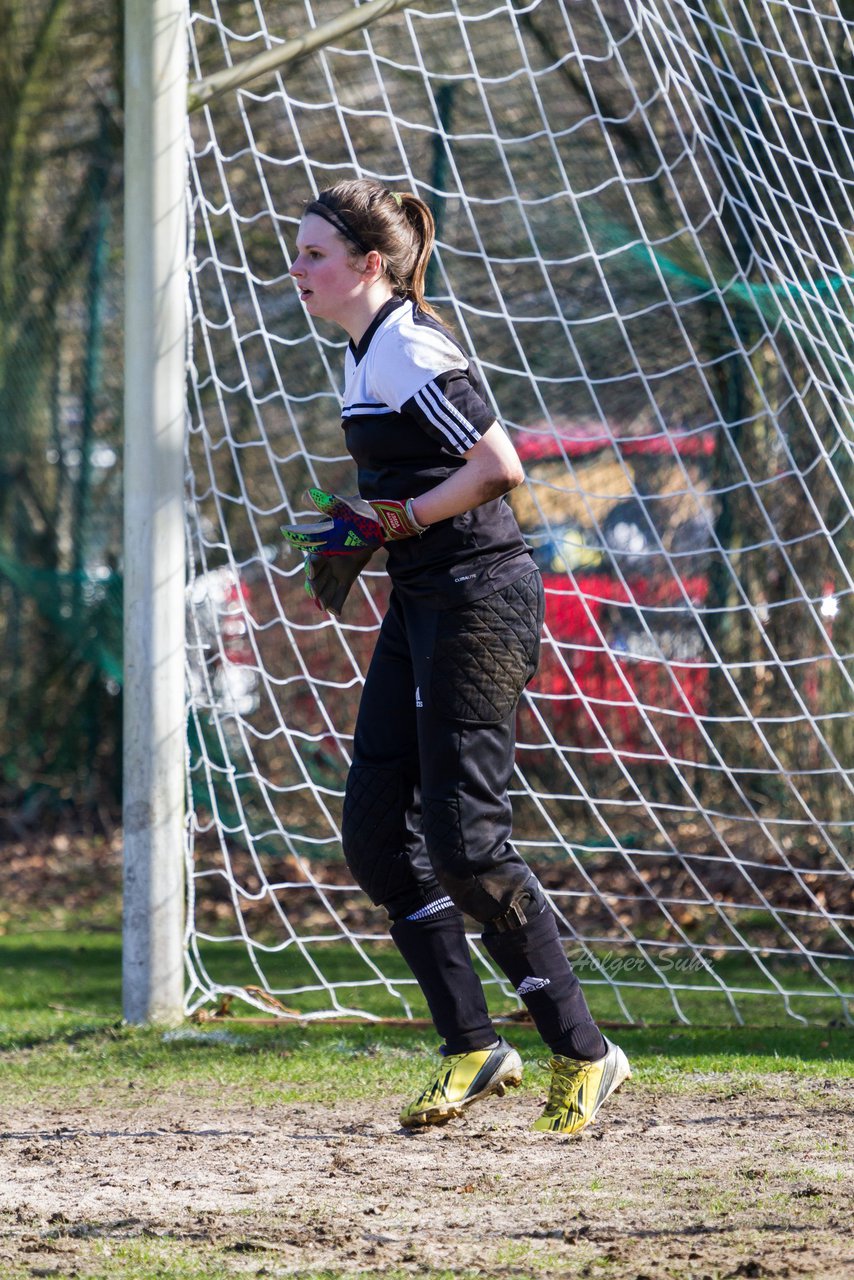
pixel 413 407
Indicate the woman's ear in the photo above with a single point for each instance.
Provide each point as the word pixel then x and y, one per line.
pixel 374 266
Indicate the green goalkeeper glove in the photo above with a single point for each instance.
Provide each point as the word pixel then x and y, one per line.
pixel 351 526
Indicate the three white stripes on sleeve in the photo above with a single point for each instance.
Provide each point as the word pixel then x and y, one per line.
pixel 438 410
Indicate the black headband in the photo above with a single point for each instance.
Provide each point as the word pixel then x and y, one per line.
pixel 338 222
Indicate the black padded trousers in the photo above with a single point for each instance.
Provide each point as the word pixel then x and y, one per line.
pixel 426 805
pixel 427 817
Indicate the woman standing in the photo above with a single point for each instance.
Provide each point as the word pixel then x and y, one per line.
pixel 427 818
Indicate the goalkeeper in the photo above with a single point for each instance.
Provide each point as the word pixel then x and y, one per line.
pixel 427 818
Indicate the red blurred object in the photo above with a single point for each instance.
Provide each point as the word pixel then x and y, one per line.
pixel 576 439
pixel 236 603
pixel 620 679
pixel 627 673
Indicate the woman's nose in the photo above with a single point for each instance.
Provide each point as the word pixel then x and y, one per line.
pixel 296 267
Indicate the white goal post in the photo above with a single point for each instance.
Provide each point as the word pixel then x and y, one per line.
pixel 644 222
pixel 155 235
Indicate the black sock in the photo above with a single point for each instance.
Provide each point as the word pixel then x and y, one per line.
pixel 437 951
pixel 535 962
pixel 584 1041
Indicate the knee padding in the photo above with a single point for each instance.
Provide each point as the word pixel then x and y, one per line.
pixel 502 898
pixel 375 836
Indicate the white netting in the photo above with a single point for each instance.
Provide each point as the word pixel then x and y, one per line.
pixel 644 219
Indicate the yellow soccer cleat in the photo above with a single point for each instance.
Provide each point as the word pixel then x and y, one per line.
pixel 464 1078
pixel 578 1090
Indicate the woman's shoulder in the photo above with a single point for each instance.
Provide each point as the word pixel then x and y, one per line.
pixel 409 338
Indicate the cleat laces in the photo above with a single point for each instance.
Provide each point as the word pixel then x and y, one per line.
pixel 566 1081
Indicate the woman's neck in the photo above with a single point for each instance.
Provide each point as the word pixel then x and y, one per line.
pixel 365 309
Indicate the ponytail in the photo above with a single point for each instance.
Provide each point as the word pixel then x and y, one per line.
pixel 420 218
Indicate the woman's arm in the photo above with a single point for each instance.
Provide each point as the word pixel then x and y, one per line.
pixel 492 468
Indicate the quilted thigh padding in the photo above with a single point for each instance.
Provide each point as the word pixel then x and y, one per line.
pixel 375 836
pixel 486 652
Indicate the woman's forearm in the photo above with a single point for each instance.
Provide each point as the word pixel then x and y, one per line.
pixel 492 468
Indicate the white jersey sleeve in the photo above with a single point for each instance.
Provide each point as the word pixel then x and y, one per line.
pixel 403 360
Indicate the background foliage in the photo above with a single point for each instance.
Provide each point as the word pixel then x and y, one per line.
pixel 60 407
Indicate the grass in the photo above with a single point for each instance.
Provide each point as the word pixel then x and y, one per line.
pixel 171 1259
pixel 62 1037
pixel 168 1258
pixel 759 984
pixel 63 1045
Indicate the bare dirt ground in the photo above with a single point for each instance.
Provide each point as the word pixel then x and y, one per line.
pixel 719 1183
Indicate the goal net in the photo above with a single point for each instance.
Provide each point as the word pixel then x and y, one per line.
pixel 644 217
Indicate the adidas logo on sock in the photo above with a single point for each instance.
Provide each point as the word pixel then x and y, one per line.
pixel 532 984
pixel 418 701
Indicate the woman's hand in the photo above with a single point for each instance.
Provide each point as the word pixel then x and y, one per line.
pixel 492 468
pixel 351 525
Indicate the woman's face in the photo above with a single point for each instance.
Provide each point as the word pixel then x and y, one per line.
pixel 327 274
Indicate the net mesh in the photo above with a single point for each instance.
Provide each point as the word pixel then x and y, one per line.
pixel 643 216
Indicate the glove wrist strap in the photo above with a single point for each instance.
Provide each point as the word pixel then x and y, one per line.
pixel 397 518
